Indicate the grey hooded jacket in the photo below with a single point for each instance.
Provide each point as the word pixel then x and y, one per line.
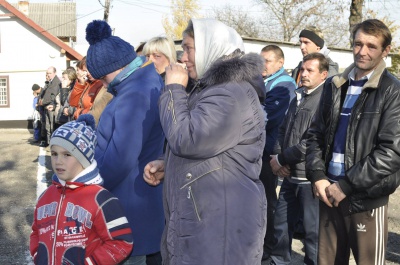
pixel 215 205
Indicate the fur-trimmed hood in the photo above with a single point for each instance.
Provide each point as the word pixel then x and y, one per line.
pixel 237 68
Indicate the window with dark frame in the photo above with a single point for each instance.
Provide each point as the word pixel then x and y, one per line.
pixel 4 92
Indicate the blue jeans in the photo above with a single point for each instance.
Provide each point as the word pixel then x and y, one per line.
pixel 135 260
pixel 295 201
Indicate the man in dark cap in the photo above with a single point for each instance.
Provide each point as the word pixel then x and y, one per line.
pixel 311 40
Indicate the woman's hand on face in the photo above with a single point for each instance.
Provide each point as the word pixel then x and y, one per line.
pixel 176 74
pixel 82 77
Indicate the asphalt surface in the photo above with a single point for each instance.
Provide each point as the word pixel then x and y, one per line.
pixel 24 166
pixel 18 173
pixel 19 165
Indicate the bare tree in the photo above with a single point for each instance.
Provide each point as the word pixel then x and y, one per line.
pixel 182 11
pixel 286 18
pixel 240 20
pixel 356 14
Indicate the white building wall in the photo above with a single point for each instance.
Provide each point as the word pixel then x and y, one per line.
pixel 25 56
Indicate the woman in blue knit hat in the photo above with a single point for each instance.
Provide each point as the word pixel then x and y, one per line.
pixel 129 133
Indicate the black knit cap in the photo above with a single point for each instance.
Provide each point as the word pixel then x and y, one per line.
pixel 312 37
pixel 35 87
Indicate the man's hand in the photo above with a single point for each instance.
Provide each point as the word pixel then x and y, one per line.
pixel 320 191
pixel 335 194
pixel 176 74
pixel 50 107
pixel 283 171
pixel 154 172
pixel 274 165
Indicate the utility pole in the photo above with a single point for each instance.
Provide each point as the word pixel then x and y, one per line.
pixel 106 6
pixel 106 9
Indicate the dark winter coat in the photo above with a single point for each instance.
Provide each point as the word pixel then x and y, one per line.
pixel 50 92
pixel 214 202
pixel 129 135
pixel 291 144
pixel 372 155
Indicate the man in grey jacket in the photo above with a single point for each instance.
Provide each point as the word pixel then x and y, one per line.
pixel 296 199
pixel 47 101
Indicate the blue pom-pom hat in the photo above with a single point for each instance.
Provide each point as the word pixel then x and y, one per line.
pixel 106 53
pixel 77 137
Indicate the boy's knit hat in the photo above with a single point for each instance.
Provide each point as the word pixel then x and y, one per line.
pixel 106 53
pixel 77 137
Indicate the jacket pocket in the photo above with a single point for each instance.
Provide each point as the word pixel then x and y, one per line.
pixel 190 196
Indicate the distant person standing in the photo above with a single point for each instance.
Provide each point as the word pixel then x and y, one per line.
pixel 36 116
pixel 279 88
pixel 311 40
pixel 48 102
pixel 353 152
pixel 91 88
pixel 67 83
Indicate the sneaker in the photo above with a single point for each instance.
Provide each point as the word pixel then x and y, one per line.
pixel 43 144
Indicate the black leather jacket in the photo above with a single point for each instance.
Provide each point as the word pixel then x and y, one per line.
pixel 372 155
pixel 291 143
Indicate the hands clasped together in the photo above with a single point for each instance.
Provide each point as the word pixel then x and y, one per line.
pixel 330 194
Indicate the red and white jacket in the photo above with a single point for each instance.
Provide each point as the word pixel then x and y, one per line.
pixel 79 223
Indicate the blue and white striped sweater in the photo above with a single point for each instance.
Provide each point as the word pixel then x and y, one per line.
pixel 336 165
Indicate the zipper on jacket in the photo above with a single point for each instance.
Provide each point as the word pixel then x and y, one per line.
pixel 208 172
pixel 190 195
pixel 56 225
pixel 171 107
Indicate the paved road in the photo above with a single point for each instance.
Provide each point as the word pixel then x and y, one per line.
pixel 19 164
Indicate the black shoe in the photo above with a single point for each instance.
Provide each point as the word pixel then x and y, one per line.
pixel 43 144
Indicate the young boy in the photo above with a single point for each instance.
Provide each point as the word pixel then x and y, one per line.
pixel 76 221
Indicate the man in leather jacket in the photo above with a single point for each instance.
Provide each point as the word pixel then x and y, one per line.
pixel 296 199
pixel 353 152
